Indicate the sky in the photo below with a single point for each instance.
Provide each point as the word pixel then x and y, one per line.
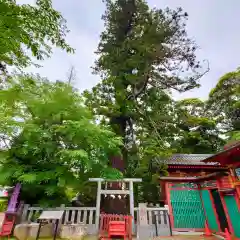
pixel 212 24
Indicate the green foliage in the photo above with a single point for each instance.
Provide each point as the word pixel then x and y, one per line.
pixel 110 173
pixel 3 204
pixel 198 132
pixel 224 102
pixel 140 52
pixel 143 54
pixel 149 190
pixel 234 135
pixel 53 139
pixel 25 28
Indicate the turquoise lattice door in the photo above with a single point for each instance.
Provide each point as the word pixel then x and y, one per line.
pixel 187 208
pixel 209 210
pixel 234 214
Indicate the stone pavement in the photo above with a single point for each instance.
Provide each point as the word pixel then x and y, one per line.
pixel 186 237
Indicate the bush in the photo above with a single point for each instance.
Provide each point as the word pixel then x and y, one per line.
pixel 3 205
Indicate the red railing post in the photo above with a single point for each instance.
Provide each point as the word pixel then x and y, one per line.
pixel 106 219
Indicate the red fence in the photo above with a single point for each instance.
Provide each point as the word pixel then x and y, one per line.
pixel 106 218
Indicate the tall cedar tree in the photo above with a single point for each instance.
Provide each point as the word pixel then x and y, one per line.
pixel 143 54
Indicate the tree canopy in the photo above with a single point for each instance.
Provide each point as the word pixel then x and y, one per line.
pixel 143 54
pixel 198 132
pixel 52 139
pixel 27 30
pixel 224 104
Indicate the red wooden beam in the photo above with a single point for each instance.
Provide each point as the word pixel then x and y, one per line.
pixel 211 176
pixel 167 189
pixel 225 157
pixel 181 166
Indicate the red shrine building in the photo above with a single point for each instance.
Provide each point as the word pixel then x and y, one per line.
pixel 204 189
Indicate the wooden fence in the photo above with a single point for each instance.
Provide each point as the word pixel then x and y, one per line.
pixel 157 218
pixel 72 215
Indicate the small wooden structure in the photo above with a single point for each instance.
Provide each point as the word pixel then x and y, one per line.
pixel 10 215
pixel 122 190
pixel 117 229
pixel 50 215
pixel 107 219
pixel 7 225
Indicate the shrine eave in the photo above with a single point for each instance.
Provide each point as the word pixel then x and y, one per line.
pixel 205 166
pixel 212 176
pixel 228 156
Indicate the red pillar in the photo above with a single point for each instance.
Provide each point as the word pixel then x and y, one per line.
pixel 238 192
pixel 215 211
pixel 167 191
pixel 225 209
pixel 237 187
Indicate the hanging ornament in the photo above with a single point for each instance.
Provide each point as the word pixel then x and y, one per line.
pixel 112 196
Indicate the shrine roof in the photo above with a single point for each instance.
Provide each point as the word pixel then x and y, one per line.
pixel 190 159
pixel 227 156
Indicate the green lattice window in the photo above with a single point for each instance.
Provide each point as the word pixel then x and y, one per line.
pixel 187 209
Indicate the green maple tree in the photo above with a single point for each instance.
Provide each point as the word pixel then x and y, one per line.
pixel 53 141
